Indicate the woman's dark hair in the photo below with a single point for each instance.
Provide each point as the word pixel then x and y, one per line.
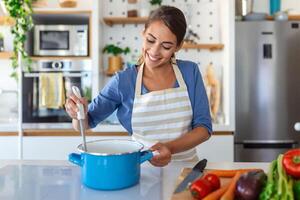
pixel 172 17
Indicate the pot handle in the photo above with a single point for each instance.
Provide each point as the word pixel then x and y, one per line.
pixel 146 155
pixel 76 159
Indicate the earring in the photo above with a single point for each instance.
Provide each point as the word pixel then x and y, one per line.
pixel 173 59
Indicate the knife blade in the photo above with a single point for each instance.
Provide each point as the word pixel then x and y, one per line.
pixel 196 172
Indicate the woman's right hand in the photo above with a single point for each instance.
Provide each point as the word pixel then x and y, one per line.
pixel 71 107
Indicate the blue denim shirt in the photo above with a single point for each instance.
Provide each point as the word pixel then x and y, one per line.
pixel 119 92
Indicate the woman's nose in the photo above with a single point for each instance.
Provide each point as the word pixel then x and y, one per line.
pixel 155 49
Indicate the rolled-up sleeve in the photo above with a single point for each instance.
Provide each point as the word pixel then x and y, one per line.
pixel 201 112
pixel 105 103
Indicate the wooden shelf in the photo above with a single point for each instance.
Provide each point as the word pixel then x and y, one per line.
pixel 124 20
pixel 36 58
pixel 6 55
pixel 291 17
pixel 211 47
pixel 6 21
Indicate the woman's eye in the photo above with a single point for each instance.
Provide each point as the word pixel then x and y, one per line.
pixel 167 48
pixel 150 41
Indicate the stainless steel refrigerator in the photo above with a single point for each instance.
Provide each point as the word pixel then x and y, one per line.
pixel 267 89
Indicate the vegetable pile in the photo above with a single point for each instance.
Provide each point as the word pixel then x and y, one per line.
pixel 281 183
pixel 282 177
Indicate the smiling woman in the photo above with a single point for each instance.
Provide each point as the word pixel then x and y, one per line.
pixel 160 101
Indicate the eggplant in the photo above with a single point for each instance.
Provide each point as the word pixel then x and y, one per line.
pixel 249 185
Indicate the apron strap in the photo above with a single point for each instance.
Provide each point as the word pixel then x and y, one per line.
pixel 138 84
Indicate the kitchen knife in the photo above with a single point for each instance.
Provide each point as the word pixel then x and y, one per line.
pixel 196 172
pixel 80 116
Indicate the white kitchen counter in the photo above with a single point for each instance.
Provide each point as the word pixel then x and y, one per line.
pixel 45 180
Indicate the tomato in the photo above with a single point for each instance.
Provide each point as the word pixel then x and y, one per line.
pixel 291 162
pixel 200 188
pixel 214 181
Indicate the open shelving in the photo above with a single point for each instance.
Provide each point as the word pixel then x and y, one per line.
pixel 291 17
pixel 6 21
pixel 211 47
pixel 6 55
pixel 124 20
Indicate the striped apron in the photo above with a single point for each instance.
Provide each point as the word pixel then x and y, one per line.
pixel 161 116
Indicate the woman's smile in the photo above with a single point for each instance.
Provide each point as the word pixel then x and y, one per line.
pixel 153 58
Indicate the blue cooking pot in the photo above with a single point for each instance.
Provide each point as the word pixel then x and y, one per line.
pixel 110 164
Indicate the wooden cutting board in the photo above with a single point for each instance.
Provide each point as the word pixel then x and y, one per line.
pixel 186 195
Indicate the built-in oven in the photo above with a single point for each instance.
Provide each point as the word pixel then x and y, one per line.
pixel 60 40
pixel 71 73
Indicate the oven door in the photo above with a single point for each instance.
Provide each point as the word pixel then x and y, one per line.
pixel 50 40
pixel 33 112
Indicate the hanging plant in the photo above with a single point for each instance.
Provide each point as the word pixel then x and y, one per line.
pixel 20 11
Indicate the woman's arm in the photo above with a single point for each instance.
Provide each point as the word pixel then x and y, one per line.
pixel 99 109
pixel 189 140
pixel 183 143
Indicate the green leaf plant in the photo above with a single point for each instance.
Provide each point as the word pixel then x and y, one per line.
pixel 115 50
pixel 156 2
pixel 21 11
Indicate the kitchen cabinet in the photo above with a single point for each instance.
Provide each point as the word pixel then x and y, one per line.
pixel 9 147
pixel 59 147
pixel 54 148
pixel 219 148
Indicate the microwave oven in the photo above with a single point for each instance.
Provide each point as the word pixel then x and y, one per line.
pixel 60 40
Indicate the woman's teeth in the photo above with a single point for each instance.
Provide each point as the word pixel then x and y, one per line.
pixel 153 58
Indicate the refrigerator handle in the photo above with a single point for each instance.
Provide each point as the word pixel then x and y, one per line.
pixel 297 126
pixel 269 144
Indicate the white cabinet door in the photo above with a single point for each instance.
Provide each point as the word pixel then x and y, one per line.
pixel 219 148
pixel 9 147
pixel 53 148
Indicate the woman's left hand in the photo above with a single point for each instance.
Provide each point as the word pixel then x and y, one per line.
pixel 164 156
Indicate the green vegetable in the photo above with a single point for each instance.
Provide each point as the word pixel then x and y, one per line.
pixel 279 184
pixel 296 189
pixel 270 187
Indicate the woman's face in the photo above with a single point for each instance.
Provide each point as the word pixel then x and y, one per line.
pixel 159 44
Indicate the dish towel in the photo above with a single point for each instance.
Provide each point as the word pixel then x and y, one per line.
pixel 51 90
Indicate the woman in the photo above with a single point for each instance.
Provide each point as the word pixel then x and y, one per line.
pixel 160 101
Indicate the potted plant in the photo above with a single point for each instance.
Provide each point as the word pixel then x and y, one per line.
pixel 115 60
pixel 155 4
pixel 1 42
pixel 21 12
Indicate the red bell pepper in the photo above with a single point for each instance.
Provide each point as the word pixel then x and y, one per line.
pixel 291 162
pixel 200 188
